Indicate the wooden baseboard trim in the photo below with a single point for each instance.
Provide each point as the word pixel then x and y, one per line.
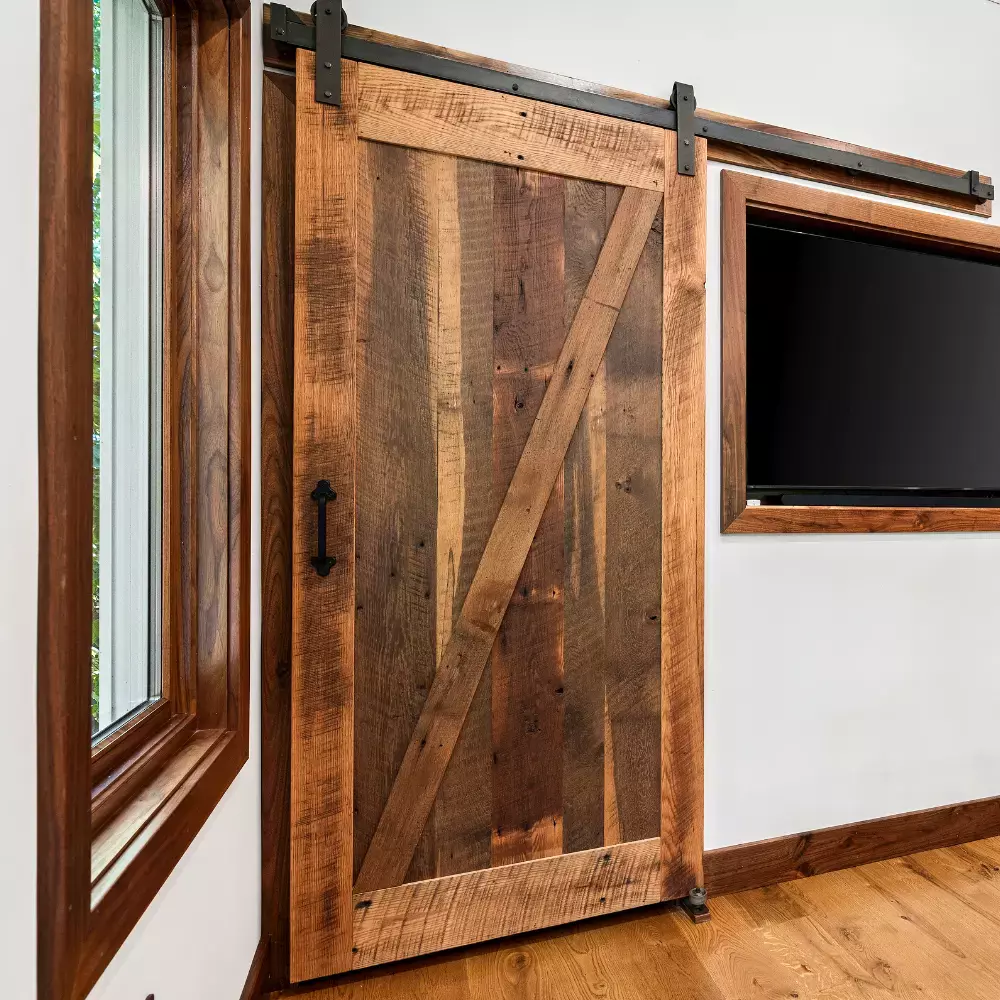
pixel 768 862
pixel 253 988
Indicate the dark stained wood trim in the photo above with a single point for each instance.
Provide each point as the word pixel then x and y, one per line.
pixel 277 333
pixel 282 57
pixel 745 192
pixel 79 932
pixel 254 987
pixel 65 415
pixel 123 743
pixel 768 862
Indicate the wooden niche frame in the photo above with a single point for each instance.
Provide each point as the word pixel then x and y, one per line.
pixel 114 818
pixel 744 194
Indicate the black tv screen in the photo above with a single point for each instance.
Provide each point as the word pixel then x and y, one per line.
pixel 872 369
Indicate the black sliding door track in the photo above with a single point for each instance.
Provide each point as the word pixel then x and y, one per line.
pixel 287 29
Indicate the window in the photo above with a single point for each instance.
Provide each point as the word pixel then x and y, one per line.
pixel 128 347
pixel 144 505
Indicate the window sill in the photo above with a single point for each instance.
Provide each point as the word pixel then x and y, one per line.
pixel 136 849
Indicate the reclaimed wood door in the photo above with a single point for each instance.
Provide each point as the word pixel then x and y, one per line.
pixel 499 354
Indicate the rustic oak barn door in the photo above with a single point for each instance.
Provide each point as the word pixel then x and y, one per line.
pixel 499 312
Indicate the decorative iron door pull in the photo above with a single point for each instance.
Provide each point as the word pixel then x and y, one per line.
pixel 323 563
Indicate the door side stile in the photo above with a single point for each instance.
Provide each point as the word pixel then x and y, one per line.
pixel 323 606
pixel 682 617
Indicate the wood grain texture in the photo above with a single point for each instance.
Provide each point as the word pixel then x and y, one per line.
pixel 466 507
pixel 414 919
pixel 283 57
pixel 211 362
pixel 323 608
pixel 682 615
pixel 585 547
pixel 276 353
pixel 768 862
pixel 462 663
pixel 79 931
pixel 65 421
pixel 424 113
pixel 924 230
pixel 396 479
pixel 632 586
pixel 527 657
pixel 921 926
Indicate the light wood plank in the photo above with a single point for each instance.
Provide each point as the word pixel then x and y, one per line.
pixel 462 664
pixel 682 612
pixel 422 917
pixel 323 607
pixel 462 821
pixel 424 113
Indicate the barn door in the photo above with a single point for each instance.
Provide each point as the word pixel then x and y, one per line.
pixel 499 312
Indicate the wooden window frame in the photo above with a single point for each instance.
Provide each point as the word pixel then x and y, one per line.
pixel 114 818
pixel 778 200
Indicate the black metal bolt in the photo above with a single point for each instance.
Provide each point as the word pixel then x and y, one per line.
pixel 513 86
pixel 329 10
pixel 687 142
pixel 860 164
pixel 328 65
pixel 704 128
pixel 281 31
pixel 328 93
pixel 685 97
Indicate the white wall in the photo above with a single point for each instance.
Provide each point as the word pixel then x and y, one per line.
pixel 19 500
pixel 847 677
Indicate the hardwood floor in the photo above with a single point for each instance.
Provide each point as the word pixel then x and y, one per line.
pixel 926 926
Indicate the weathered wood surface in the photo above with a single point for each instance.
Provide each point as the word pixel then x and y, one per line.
pixel 323 610
pixel 424 113
pixel 527 659
pixel 683 556
pixel 463 660
pixel 421 917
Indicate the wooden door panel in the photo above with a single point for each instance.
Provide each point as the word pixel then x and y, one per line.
pixel 492 685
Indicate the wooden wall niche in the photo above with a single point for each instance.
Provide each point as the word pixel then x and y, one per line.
pixel 778 200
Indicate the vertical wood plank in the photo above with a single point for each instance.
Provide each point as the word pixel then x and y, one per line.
pixel 396 489
pixel 584 545
pixel 212 294
pixel 633 543
pixel 527 664
pixel 462 811
pixel 324 448
pixel 682 780
pixel 276 353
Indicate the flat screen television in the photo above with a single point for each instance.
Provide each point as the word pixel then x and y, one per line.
pixel 873 371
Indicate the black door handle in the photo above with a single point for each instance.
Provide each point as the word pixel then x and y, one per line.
pixel 323 563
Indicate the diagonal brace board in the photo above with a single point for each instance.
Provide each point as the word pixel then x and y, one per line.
pixel 464 658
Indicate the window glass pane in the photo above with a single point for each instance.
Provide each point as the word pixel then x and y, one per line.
pixel 127 252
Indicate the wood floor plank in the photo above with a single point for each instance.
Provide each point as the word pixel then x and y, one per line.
pixel 461 666
pixel 527 657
